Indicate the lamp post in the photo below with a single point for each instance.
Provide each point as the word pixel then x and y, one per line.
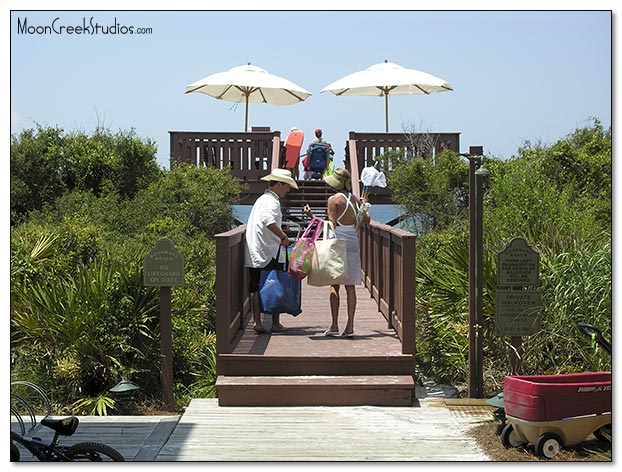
pixel 476 271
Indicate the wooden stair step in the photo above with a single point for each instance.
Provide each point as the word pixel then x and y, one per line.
pixel 314 364
pixel 307 196
pixel 326 390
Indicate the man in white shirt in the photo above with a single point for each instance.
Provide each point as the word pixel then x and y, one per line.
pixel 264 237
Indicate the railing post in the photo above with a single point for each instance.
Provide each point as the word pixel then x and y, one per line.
pixel 223 294
pixel 276 152
pixel 354 168
pixel 408 269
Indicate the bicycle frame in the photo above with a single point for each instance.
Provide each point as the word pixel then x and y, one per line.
pixel 42 450
pixel 47 451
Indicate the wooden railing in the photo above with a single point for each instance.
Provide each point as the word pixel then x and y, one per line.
pixel 232 297
pixel 362 150
pixel 253 155
pixel 371 145
pixel 248 155
pixel 388 264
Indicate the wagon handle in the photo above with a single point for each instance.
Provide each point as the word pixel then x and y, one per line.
pixel 596 335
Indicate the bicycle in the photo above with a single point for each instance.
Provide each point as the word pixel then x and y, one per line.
pixel 48 451
pixel 52 451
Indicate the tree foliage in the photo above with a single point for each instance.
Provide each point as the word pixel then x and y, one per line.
pixel 434 192
pixel 47 163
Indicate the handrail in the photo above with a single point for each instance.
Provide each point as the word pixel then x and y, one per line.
pixel 388 265
pixel 232 298
pixel 371 145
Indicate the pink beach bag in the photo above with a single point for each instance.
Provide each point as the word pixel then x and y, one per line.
pixel 302 253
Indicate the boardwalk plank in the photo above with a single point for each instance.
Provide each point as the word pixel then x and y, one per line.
pixel 426 432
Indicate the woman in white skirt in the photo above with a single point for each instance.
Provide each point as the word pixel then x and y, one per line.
pixel 342 209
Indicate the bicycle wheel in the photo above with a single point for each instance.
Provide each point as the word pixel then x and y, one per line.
pixel 15 456
pixel 93 452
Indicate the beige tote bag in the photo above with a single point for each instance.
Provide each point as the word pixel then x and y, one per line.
pixel 329 265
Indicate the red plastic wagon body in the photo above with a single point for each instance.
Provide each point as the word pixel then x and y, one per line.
pixel 555 397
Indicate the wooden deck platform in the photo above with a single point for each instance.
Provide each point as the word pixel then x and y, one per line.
pixel 304 367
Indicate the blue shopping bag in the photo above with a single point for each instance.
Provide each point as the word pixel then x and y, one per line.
pixel 278 292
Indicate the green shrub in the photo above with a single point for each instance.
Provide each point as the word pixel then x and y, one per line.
pixel 47 163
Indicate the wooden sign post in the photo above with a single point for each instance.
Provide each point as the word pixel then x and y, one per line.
pixel 518 308
pixel 164 268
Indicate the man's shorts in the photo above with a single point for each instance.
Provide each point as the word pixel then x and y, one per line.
pixel 255 274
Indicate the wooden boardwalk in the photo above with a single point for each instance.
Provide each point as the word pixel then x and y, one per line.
pixel 375 367
pixel 431 430
pixel 305 334
pixel 302 366
pixel 428 431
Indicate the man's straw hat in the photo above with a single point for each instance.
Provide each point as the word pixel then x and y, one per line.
pixel 281 175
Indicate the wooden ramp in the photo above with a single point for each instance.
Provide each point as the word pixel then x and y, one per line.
pixel 304 367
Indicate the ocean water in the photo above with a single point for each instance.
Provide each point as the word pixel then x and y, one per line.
pixel 380 213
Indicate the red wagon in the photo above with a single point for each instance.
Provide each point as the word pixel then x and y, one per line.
pixel 553 411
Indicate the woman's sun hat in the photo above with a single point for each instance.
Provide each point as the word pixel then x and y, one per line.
pixel 339 180
pixel 281 175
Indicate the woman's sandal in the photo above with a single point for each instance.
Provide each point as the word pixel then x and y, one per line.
pixel 330 333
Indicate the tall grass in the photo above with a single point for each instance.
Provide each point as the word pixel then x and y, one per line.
pixel 575 287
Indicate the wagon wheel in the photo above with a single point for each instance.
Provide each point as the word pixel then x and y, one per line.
pixel 604 433
pixel 510 438
pixel 548 445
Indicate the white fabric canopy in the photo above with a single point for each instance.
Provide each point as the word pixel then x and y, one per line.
pixel 386 79
pixel 250 84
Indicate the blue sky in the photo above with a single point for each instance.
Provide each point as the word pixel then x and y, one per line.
pixel 516 75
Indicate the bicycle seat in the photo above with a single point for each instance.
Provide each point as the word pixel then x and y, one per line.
pixel 64 426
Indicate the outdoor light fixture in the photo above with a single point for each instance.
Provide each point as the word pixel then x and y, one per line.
pixel 482 171
pixel 125 386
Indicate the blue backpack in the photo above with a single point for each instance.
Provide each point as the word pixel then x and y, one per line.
pixel 318 157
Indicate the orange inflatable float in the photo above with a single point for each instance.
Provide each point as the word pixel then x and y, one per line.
pixel 293 145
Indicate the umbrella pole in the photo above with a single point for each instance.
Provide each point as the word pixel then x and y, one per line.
pixel 246 116
pixel 386 110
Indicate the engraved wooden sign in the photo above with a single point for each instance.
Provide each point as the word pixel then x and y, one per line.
pixel 518 265
pixel 163 266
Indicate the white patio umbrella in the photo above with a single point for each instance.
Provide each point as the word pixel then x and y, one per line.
pixel 386 79
pixel 249 84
